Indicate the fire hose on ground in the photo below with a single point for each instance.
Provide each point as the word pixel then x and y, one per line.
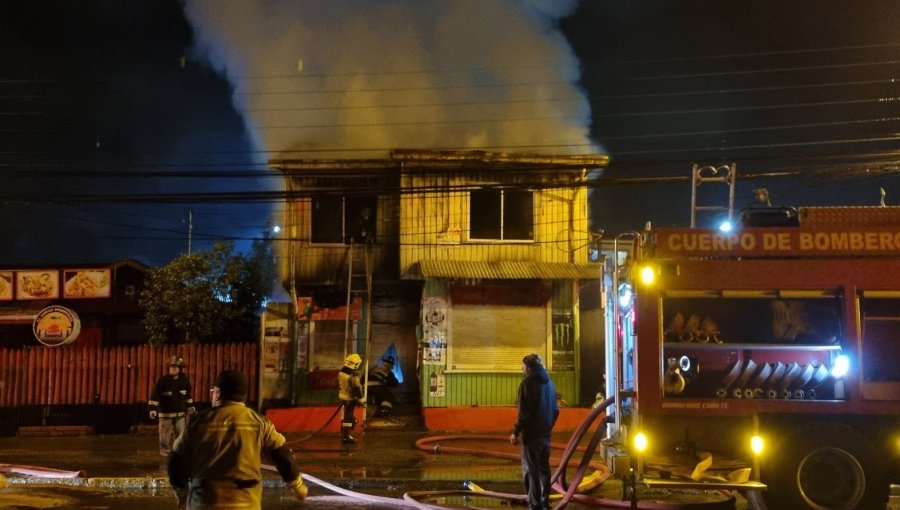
pixel 567 492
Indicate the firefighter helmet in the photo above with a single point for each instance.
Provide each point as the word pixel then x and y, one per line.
pixel 176 361
pixel 353 361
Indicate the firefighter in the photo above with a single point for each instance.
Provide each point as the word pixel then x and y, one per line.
pixel 171 402
pixel 350 392
pixel 379 383
pixel 217 462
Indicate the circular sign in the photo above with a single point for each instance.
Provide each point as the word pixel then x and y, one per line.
pixel 56 325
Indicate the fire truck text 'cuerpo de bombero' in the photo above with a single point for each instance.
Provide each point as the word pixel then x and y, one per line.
pixel 765 359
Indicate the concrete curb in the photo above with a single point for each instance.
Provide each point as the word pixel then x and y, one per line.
pixel 154 484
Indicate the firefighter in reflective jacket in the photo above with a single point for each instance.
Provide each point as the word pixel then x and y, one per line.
pixel 350 392
pixel 217 463
pixel 379 383
pixel 171 401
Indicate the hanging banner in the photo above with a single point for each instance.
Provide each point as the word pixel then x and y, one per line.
pixel 563 342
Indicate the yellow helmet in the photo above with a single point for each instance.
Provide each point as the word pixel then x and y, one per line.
pixel 353 361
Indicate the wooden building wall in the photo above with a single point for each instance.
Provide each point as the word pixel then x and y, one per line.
pixel 327 263
pixel 434 225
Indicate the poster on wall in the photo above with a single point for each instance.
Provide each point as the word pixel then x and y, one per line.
pixel 436 385
pixel 434 331
pixel 6 285
pixel 276 357
pixel 276 334
pixel 37 284
pixel 563 342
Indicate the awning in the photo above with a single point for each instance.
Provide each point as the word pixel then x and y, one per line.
pixel 508 270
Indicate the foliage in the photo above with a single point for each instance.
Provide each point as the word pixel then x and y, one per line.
pixel 208 296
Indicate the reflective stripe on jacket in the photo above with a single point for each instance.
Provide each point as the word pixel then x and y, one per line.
pixel 349 387
pixel 172 395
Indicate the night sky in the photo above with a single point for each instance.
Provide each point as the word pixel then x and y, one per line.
pixel 802 88
pixel 118 119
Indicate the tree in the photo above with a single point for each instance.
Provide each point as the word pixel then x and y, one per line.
pixel 208 296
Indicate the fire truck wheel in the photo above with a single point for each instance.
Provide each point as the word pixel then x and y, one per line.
pixel 828 467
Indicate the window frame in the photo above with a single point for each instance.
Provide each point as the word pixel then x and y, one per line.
pixel 503 219
pixel 347 207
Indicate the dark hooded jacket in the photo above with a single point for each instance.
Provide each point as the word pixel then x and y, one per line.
pixel 538 409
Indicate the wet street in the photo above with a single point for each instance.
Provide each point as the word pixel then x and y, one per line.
pixel 64 497
pixel 126 472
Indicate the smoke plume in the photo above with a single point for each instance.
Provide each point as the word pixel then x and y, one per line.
pixel 357 78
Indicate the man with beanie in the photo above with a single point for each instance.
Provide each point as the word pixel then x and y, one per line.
pixel 537 414
pixel 216 463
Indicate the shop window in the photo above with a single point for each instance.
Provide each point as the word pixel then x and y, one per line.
pixel 327 345
pixel 342 219
pixel 501 214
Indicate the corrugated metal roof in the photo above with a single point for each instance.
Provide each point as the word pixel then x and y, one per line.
pixel 508 270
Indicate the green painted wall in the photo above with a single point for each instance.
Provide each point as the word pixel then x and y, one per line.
pixel 486 389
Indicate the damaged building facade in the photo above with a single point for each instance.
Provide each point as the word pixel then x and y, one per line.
pixel 459 262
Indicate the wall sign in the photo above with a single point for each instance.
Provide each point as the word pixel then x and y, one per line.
pixel 56 325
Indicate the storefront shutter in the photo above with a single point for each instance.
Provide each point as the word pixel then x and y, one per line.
pixel 495 338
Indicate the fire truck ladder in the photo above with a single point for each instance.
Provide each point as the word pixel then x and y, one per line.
pixel 359 284
pixel 724 174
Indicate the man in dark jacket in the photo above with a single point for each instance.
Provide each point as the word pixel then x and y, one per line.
pixel 171 401
pixel 538 411
pixel 216 463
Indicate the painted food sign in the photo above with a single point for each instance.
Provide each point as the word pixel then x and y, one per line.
pixel 86 283
pixel 6 285
pixel 37 284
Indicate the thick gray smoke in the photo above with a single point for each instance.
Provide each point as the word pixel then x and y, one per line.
pixel 325 78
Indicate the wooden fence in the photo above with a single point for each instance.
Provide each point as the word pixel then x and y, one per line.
pixel 114 375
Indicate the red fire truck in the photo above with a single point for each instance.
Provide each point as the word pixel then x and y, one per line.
pixel 763 359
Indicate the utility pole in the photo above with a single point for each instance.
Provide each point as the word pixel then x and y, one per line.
pixel 190 229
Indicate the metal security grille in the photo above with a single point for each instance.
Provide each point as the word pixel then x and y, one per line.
pixel 495 338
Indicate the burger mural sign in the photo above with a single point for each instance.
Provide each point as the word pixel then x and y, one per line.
pixel 56 325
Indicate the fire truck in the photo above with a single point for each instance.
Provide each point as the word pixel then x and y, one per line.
pixel 765 359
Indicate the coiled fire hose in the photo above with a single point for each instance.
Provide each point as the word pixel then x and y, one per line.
pixel 568 492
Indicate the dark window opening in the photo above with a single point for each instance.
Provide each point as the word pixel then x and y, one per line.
pixel 343 219
pixel 501 214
